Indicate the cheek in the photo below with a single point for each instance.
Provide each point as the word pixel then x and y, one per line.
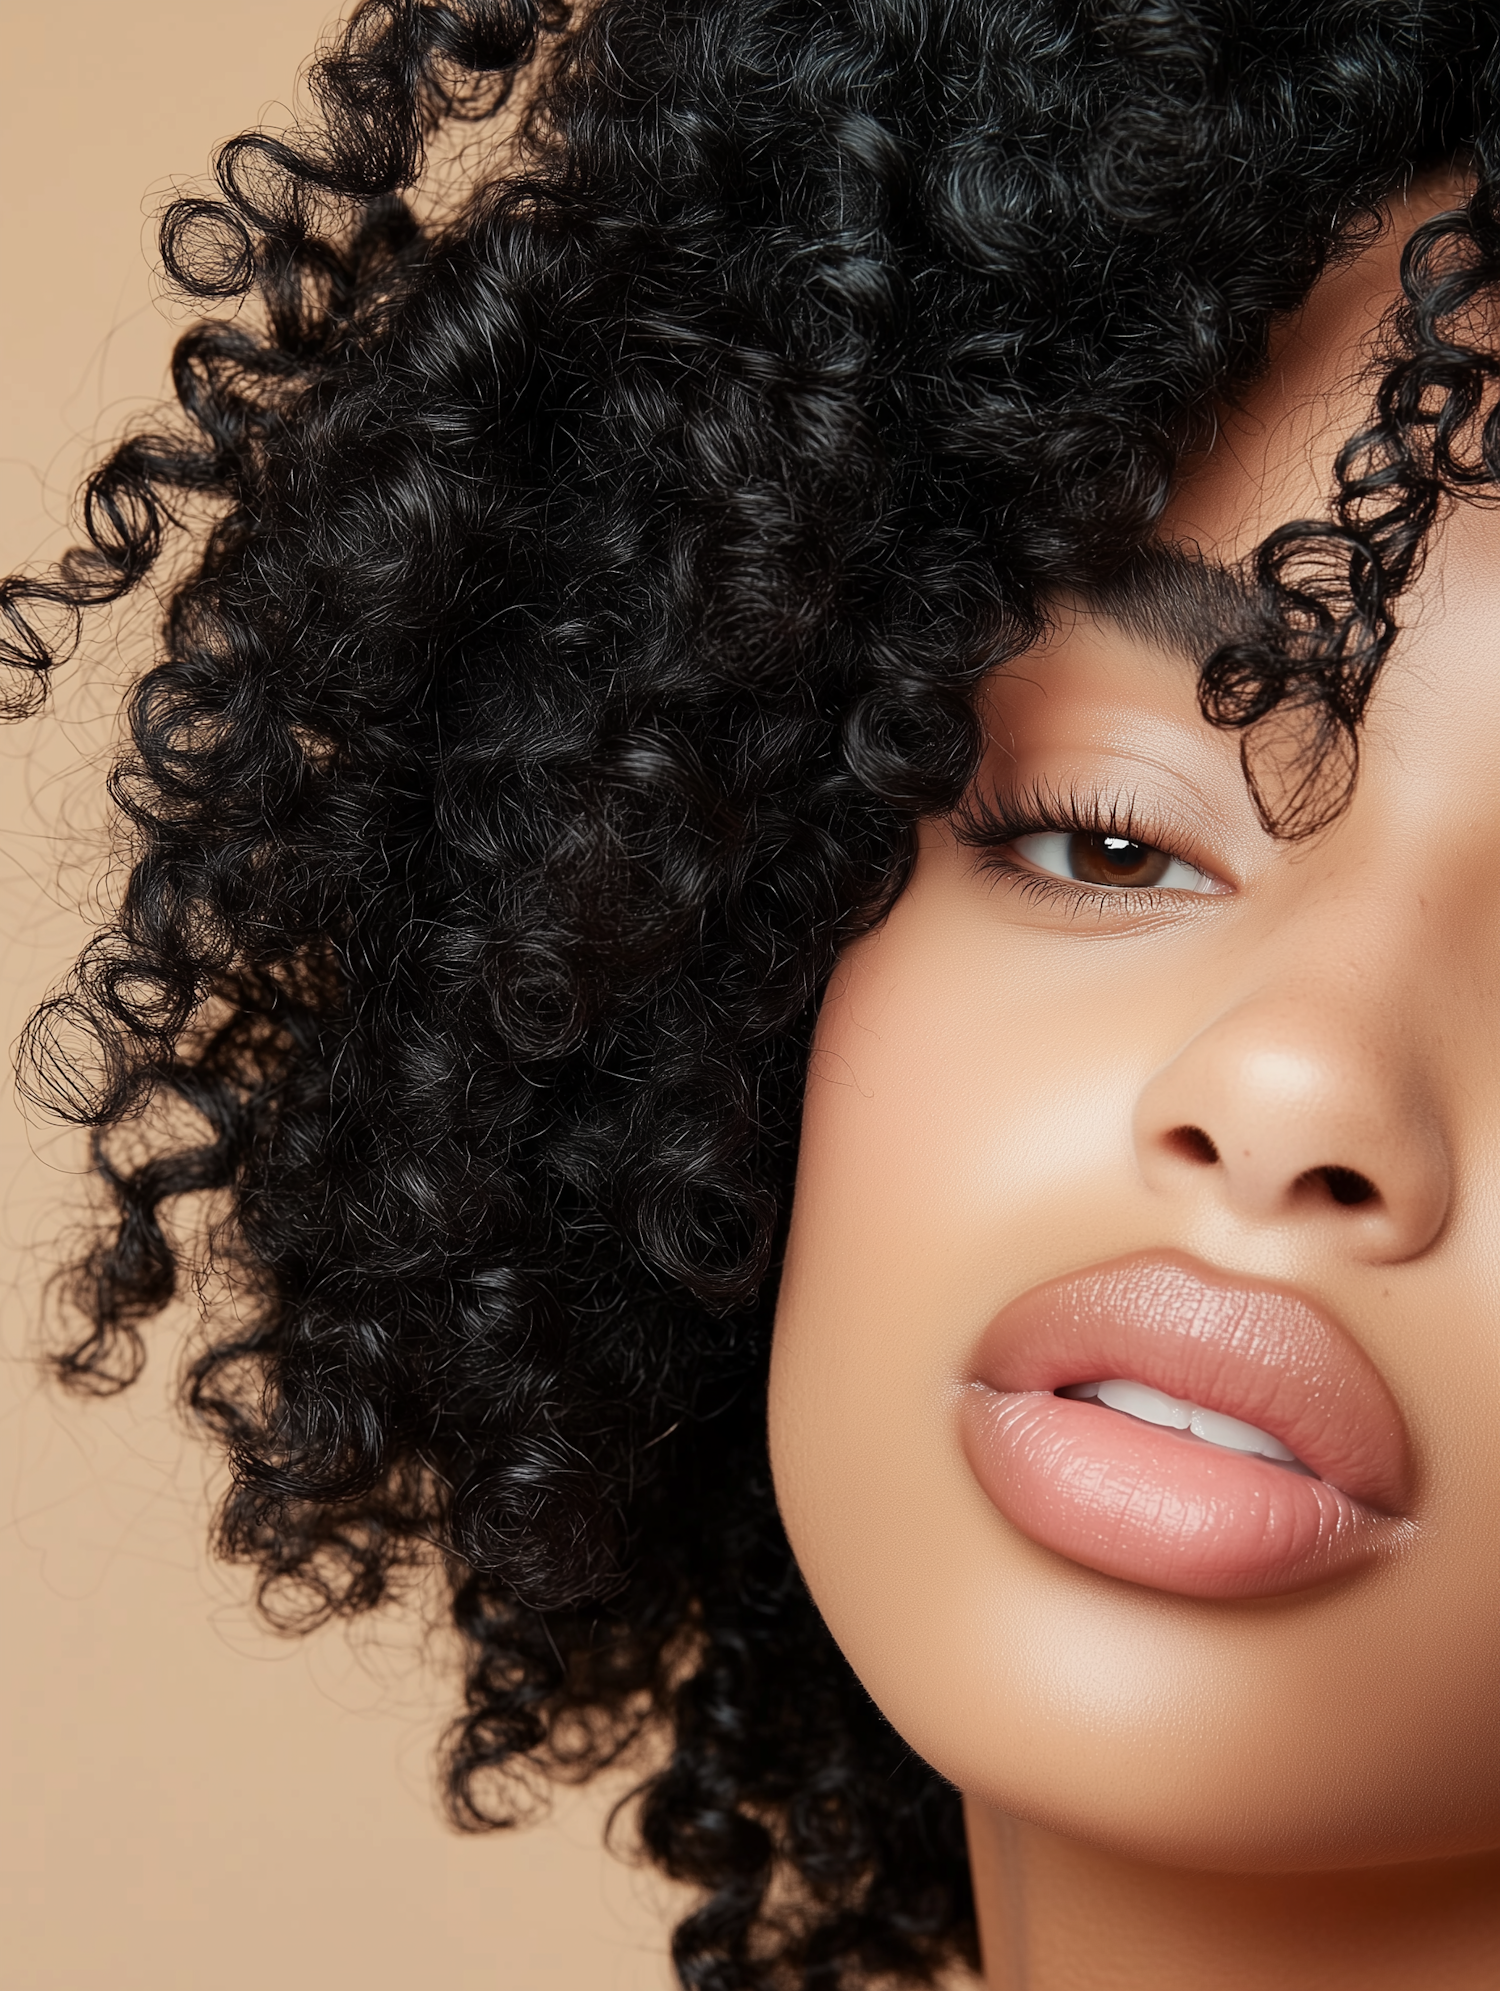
pixel 950 1141
pixel 955 1102
pixel 967 1135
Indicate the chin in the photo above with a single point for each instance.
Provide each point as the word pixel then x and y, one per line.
pixel 1243 1736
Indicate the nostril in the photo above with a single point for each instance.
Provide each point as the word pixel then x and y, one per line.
pixel 1344 1185
pixel 1192 1144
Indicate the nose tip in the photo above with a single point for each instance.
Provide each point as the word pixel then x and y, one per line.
pixel 1317 1132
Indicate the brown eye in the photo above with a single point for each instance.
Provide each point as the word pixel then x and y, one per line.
pixel 1093 857
pixel 1115 860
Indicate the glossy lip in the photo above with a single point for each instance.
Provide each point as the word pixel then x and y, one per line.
pixel 1150 1505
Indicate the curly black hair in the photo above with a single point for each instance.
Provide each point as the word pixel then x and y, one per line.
pixel 586 576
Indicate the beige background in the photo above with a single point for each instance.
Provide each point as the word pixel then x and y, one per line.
pixel 188 1801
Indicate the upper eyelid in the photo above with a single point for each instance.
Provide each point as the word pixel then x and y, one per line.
pixel 988 815
pixel 990 818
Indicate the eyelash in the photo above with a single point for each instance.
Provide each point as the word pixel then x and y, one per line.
pixel 989 824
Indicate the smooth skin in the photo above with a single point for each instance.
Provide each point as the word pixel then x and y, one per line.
pixel 1164 1792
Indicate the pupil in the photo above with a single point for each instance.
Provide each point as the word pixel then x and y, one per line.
pixel 1114 860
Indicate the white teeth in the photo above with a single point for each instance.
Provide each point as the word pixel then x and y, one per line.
pixel 1156 1407
pixel 1151 1406
pixel 1239 1437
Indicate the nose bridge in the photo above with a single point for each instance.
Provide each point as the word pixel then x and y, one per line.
pixel 1307 1099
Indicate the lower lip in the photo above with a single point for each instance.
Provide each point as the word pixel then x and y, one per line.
pixel 1157 1507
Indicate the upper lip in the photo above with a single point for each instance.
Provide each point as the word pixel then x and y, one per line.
pixel 1251 1348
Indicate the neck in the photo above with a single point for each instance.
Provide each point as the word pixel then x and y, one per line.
pixel 1058 1915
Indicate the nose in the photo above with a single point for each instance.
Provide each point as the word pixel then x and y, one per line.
pixel 1299 1107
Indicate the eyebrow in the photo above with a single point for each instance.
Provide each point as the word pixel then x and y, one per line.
pixel 1177 597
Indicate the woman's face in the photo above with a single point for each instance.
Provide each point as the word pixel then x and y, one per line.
pixel 1266 1077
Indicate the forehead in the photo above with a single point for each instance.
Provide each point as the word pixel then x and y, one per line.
pixel 1272 455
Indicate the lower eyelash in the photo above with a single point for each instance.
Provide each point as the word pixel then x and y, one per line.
pixel 1068 892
